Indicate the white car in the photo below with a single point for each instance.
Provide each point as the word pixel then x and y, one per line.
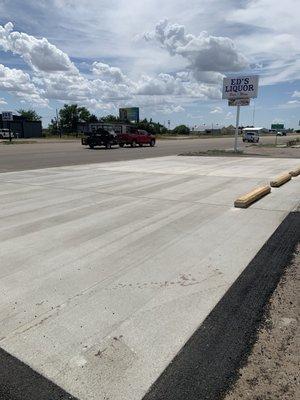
pixel 251 137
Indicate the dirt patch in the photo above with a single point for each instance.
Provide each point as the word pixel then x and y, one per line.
pixel 250 151
pixel 285 152
pixel 213 152
pixel 272 370
pixel 284 149
pixel 7 142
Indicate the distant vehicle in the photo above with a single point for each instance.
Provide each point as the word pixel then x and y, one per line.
pixel 136 137
pixel 4 133
pixel 251 137
pixel 281 133
pixel 100 137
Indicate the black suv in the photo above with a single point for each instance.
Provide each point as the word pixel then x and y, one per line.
pixel 100 137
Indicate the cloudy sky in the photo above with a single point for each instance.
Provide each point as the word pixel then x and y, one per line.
pixel 166 56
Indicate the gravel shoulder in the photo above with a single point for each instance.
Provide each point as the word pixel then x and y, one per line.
pixel 286 152
pixel 249 151
pixel 272 369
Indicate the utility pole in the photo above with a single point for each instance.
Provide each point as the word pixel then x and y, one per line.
pixel 56 122
pixel 253 114
pixel 58 128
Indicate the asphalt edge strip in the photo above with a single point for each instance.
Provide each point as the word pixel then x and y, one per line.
pixel 208 364
pixel 18 381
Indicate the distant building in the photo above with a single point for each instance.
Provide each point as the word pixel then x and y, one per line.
pixel 214 131
pixel 22 127
pixel 228 130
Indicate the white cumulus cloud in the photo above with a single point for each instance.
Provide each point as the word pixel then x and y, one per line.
pixel 106 72
pixel 171 109
pixel 37 52
pixel 163 84
pixel 203 52
pixel 217 110
pixel 19 83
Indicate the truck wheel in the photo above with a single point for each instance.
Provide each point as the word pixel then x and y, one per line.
pixel 121 144
pixel 108 145
pixel 152 143
pixel 91 146
pixel 133 144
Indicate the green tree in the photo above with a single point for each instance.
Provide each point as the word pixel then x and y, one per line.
pixel 93 118
pixel 53 127
pixel 30 115
pixel 70 115
pixel 181 130
pixel 152 127
pixel 110 119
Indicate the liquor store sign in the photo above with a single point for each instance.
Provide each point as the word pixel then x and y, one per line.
pixel 243 87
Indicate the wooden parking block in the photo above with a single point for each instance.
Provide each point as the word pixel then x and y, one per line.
pixel 249 198
pixel 281 179
pixel 295 172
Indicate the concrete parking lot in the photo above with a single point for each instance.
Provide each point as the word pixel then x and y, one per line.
pixel 108 269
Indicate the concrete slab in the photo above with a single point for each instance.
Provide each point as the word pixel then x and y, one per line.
pixel 107 269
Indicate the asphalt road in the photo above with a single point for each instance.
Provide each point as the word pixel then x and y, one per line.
pixel 44 154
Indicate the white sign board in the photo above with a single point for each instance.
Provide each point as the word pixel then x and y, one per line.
pixel 243 87
pixel 239 102
pixel 7 116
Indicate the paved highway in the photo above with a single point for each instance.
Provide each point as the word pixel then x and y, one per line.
pixel 44 154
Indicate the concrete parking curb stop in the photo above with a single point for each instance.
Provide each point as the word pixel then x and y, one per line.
pixel 208 364
pixel 281 179
pixel 249 198
pixel 295 172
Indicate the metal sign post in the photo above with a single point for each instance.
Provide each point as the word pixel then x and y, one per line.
pixel 237 128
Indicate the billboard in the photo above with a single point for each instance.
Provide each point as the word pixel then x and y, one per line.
pixel 242 87
pixel 7 116
pixel 238 102
pixel 277 127
pixel 131 114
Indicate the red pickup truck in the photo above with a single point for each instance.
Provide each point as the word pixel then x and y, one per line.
pixel 134 137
